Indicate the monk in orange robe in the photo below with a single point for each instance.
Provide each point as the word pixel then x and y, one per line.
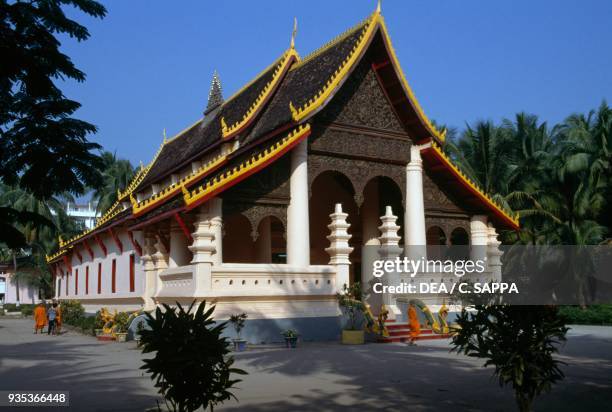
pixel 58 319
pixel 413 323
pixel 40 317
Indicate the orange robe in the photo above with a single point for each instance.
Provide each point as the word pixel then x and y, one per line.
pixel 413 321
pixel 40 317
pixel 58 317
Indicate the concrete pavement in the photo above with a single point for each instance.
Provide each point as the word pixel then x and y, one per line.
pixel 314 377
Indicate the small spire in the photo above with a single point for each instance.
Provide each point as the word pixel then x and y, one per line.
pixel 165 137
pixel 294 33
pixel 215 95
pixel 378 6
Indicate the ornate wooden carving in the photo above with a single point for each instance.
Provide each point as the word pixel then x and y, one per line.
pixel 436 199
pixel 361 101
pixel 270 185
pixel 359 172
pixel 255 212
pixel 447 223
pixel 343 141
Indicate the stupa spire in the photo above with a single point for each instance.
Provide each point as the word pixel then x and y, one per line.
pixel 215 95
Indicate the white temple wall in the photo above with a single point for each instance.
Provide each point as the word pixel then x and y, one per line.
pixel 8 288
pixel 122 298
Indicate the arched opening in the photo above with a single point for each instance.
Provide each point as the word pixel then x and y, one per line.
pixel 238 245
pixel 327 189
pixel 378 193
pixel 460 244
pixel 436 242
pixel 271 246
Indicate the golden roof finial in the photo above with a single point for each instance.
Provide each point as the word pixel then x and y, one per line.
pixel 165 138
pixel 294 33
pixel 378 6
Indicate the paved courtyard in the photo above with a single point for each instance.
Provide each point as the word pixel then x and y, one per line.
pixel 315 377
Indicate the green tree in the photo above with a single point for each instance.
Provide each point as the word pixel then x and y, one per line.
pixel 29 263
pixel 484 152
pixel 43 150
pixel 116 176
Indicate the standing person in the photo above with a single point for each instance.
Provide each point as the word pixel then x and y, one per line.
pixel 52 316
pixel 413 322
pixel 58 319
pixel 40 317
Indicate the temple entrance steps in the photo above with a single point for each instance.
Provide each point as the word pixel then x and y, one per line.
pixel 400 332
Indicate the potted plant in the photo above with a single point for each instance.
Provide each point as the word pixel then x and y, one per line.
pixel 138 335
pixel 291 337
pixel 120 326
pixel 99 324
pixel 238 322
pixel 351 305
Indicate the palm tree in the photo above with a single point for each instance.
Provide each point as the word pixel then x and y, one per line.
pixel 116 175
pixel 484 152
pixel 531 145
pixel 46 220
pixel 587 150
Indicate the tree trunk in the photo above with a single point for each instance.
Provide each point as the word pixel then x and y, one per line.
pixel 16 278
pixel 524 403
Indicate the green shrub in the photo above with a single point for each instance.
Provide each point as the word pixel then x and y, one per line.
pixel 1 312
pixel 519 342
pixel 591 315
pixel 27 310
pixel 12 307
pixel 72 312
pixel 87 325
pixel 121 322
pixel 191 367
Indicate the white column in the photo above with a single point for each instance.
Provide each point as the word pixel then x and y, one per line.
pixel 369 230
pixel 179 252
pixel 298 235
pixel 339 248
pixel 203 248
pixel 216 225
pixel 150 272
pixel 494 254
pixel 160 260
pixel 415 240
pixel 479 239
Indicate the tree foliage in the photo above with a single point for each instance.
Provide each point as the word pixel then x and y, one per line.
pixel 191 367
pixel 44 151
pixel 519 342
pixel 116 176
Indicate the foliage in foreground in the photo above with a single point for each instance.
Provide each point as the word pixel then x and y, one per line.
pixel 190 368
pixel 519 342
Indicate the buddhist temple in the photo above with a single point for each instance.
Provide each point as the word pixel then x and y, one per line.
pixel 265 203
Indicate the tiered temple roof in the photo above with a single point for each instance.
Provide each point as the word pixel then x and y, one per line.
pixel 264 120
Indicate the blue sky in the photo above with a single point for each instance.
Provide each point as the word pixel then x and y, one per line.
pixel 149 63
